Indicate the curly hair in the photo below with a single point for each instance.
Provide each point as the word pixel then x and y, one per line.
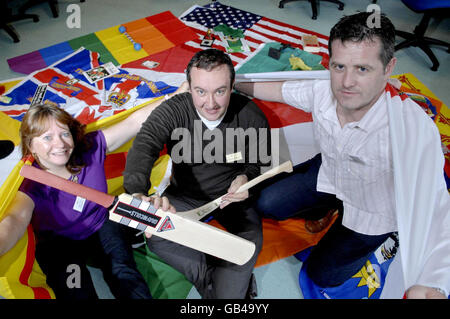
pixel 356 28
pixel 208 60
pixel 36 122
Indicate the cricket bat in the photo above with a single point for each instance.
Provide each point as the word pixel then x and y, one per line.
pixel 141 215
pixel 202 211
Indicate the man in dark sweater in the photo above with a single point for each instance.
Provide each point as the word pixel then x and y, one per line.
pixel 218 140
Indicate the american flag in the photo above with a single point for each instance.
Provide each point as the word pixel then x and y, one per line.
pixel 257 29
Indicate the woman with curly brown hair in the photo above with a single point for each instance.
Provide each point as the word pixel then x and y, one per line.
pixel 71 230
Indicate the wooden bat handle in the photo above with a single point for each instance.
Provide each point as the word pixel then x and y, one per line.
pixel 46 178
pixel 202 211
pixel 285 167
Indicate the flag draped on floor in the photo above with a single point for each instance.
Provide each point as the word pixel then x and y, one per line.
pixel 257 29
pixel 155 33
pixel 65 84
pixel 367 283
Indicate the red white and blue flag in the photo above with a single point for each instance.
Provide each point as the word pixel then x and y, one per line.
pixel 66 85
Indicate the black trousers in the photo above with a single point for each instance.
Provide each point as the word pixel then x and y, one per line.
pixel 341 252
pixel 64 261
pixel 212 277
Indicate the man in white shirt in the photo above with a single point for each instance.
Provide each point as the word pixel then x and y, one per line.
pixel 354 171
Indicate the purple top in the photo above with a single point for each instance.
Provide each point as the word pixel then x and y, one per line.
pixel 63 213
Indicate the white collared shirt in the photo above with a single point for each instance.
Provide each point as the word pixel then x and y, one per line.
pixel 211 125
pixel 356 159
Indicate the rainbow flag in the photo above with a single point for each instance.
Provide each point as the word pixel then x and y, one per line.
pixel 155 33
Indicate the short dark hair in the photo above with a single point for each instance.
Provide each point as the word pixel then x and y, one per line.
pixel 355 28
pixel 208 60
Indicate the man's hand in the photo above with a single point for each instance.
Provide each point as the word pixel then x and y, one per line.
pixel 157 202
pixel 232 196
pixel 422 292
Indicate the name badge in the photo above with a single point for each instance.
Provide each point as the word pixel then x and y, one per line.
pixel 79 204
pixel 234 157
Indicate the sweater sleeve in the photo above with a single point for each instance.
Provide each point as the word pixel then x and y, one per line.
pixel 260 156
pixel 149 142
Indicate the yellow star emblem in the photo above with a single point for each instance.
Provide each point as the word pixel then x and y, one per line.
pixel 368 277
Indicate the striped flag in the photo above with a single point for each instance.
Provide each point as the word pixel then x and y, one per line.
pixel 257 29
pixel 155 33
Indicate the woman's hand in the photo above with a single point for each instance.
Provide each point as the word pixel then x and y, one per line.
pixel 184 87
